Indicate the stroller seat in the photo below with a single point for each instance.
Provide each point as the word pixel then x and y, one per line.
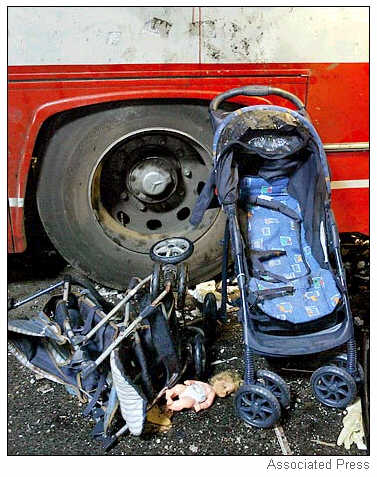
pixel 315 293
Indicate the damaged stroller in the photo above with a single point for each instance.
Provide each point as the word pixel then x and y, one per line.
pixel 125 356
pixel 270 170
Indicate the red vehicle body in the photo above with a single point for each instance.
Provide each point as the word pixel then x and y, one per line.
pixel 336 96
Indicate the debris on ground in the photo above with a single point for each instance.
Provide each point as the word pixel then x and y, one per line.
pixel 221 361
pixel 211 286
pixel 283 441
pixel 323 443
pixel 46 388
pixel 203 288
pixel 160 417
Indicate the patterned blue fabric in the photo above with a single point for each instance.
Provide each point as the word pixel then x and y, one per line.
pixel 316 293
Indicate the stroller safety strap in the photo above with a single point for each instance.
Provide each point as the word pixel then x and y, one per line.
pixel 269 203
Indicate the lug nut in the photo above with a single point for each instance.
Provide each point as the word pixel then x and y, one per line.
pixel 187 172
pixel 143 208
pixel 124 196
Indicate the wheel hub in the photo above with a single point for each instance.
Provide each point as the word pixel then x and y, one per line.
pixel 153 180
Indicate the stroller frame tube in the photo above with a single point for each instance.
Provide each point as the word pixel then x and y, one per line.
pixel 242 274
pixel 351 343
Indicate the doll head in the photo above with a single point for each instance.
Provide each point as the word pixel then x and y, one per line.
pixel 225 383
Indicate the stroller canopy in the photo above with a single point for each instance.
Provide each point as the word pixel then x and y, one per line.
pixel 282 143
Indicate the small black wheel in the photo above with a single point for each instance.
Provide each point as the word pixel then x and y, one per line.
pixel 341 362
pixel 155 287
pixel 333 386
pixel 182 275
pixel 172 250
pixel 274 383
pixel 199 356
pixel 257 406
pixel 209 315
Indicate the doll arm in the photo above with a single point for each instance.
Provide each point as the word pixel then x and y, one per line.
pixel 174 392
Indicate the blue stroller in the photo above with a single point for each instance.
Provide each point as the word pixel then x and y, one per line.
pixel 270 170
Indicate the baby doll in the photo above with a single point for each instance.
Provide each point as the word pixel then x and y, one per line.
pixel 190 394
pixel 198 395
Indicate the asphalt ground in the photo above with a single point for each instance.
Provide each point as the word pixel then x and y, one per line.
pixel 44 420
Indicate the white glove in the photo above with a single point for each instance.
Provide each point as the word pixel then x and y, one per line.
pixel 353 431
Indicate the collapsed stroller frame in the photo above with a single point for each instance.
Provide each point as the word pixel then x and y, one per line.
pixel 148 347
pixel 293 294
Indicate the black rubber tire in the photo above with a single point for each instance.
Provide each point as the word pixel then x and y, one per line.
pixel 155 288
pixel 199 357
pixel 182 279
pixel 209 314
pixel 63 190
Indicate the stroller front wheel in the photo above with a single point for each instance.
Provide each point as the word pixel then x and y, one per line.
pixel 257 406
pixel 333 386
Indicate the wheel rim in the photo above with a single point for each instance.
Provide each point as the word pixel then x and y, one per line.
pixel 273 387
pixel 171 247
pixel 276 385
pixel 145 185
pixel 332 389
pixel 255 408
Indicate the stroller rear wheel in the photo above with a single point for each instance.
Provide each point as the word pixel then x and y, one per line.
pixel 182 278
pixel 257 406
pixel 341 362
pixel 155 285
pixel 333 386
pixel 274 383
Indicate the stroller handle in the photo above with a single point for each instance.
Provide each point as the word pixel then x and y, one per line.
pixel 255 91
